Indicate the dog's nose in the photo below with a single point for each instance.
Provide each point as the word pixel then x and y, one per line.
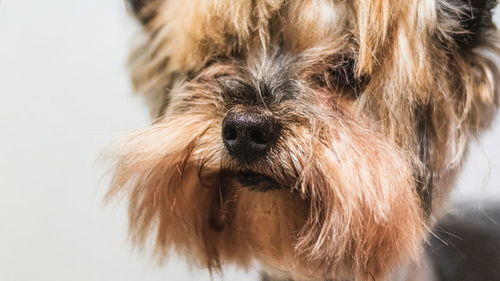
pixel 249 135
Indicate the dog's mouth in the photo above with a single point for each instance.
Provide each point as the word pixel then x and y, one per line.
pixel 256 181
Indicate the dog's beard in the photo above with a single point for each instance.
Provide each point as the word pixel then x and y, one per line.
pixel 339 198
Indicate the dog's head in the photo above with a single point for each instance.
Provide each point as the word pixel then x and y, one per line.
pixel 315 138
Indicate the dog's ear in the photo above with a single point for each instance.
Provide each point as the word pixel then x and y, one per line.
pixel 139 8
pixel 465 21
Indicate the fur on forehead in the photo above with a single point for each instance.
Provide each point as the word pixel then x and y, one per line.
pixel 205 28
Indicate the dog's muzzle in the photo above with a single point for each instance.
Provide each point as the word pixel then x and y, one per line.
pixel 248 136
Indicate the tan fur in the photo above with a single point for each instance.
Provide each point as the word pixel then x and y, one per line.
pixel 337 218
pixel 351 158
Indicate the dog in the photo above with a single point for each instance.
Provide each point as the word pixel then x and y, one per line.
pixel 314 139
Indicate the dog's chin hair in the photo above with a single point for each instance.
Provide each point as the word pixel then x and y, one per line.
pixel 355 214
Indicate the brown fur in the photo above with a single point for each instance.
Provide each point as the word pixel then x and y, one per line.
pixel 364 160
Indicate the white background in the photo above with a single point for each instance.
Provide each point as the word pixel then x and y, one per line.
pixel 65 95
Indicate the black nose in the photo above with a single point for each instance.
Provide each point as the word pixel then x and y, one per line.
pixel 249 135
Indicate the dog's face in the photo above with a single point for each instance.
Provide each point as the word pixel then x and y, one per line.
pixel 314 138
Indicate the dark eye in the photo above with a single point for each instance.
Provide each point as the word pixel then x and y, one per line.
pixel 339 75
pixel 342 72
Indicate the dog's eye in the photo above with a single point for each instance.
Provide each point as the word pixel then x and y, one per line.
pixel 338 74
pixel 342 72
pixel 341 77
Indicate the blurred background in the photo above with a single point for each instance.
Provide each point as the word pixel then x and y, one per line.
pixel 65 95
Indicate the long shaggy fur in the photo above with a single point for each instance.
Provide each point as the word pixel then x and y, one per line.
pixel 376 100
pixel 339 210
